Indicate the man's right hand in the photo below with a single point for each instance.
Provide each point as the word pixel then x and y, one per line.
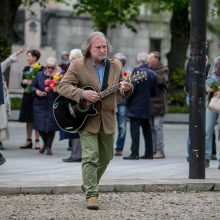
pixel 90 95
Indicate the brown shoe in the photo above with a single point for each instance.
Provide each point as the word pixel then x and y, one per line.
pixel 159 155
pixel 92 203
pixel 49 151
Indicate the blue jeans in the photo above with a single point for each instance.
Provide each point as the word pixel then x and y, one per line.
pixel 157 133
pixel 121 122
pixel 211 118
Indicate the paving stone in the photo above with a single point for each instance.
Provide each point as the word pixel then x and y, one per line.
pixel 200 187
pixel 67 189
pixel 217 187
pixel 37 190
pixel 129 188
pixel 10 190
pixel 164 187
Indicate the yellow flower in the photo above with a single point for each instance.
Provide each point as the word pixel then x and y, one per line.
pixel 36 66
pixel 57 76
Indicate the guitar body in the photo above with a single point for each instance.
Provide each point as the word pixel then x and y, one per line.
pixel 71 116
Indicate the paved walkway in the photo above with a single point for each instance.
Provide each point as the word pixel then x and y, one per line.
pixel 28 171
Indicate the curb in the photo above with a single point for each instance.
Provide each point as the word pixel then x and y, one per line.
pixel 185 187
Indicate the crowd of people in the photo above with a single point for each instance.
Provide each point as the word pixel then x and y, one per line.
pixel 143 103
pixel 39 95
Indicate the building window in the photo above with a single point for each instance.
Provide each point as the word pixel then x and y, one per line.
pixel 155 44
pixel 18 29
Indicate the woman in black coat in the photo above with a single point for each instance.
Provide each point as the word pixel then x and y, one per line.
pixel 43 105
pixel 26 112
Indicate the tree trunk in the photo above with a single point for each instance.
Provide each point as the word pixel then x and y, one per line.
pixel 180 35
pixel 104 29
pixel 7 18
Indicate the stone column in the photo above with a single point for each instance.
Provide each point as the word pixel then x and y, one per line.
pixel 33 27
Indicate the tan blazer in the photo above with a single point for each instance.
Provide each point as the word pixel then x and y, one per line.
pixel 82 73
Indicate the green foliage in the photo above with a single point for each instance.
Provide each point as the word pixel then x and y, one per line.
pixel 161 5
pixel 178 109
pixel 177 102
pixel 107 13
pixel 5 50
pixel 15 103
pixel 177 78
pixel 177 97
pixel 214 8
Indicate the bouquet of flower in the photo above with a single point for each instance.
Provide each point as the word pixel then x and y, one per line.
pixel 31 75
pixel 53 81
pixel 213 83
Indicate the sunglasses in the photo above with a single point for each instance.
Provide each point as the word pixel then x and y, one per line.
pixel 51 67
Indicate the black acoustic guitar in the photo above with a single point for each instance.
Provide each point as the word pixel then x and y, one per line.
pixel 71 116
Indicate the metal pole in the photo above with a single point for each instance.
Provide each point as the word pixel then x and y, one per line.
pixel 197 89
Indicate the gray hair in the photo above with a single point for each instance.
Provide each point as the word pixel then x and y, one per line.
pixel 86 46
pixel 156 54
pixel 121 57
pixel 142 58
pixel 74 54
pixel 51 61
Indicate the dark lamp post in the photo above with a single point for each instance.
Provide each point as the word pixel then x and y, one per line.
pixel 197 89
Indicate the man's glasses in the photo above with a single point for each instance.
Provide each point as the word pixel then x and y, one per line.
pixel 51 67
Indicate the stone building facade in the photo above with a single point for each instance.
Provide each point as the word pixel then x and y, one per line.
pixel 55 29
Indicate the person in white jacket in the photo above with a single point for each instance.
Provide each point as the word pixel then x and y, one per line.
pixel 5 101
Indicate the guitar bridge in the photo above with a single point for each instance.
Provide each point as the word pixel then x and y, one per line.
pixel 71 110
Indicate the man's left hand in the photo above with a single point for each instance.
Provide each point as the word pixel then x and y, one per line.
pixel 125 86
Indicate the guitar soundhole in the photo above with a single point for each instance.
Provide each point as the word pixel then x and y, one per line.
pixel 84 105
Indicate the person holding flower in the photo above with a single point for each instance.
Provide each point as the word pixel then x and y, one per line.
pixel 213 89
pixel 44 88
pixel 26 112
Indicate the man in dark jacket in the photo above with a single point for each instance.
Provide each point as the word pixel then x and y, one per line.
pixel 138 109
pixel 158 103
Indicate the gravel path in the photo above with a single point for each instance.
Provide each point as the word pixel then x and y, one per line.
pixel 117 206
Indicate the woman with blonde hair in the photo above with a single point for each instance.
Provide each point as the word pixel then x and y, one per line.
pixel 45 91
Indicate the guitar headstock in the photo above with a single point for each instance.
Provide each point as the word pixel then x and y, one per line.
pixel 139 76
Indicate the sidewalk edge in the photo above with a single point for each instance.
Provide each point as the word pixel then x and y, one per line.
pixel 184 187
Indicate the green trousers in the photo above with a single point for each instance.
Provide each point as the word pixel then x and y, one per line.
pixel 97 151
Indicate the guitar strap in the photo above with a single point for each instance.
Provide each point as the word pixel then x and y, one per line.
pixel 106 73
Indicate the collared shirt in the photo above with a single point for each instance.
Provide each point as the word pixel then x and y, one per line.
pixel 100 70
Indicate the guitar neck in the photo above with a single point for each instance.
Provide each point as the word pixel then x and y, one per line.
pixel 109 91
pixel 138 77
